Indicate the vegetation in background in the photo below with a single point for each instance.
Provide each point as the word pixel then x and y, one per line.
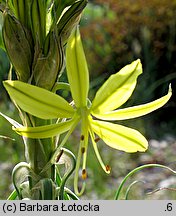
pixel 115 32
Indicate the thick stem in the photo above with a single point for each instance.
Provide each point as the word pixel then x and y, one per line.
pixel 39 151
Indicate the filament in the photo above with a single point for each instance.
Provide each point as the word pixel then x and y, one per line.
pixel 76 178
pixel 106 168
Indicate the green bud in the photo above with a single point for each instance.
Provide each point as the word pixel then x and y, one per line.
pixel 21 9
pixel 57 9
pixel 38 21
pixel 13 7
pixel 66 3
pixel 18 47
pixel 49 64
pixel 70 19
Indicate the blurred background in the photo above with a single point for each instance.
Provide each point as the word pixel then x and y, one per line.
pixel 115 33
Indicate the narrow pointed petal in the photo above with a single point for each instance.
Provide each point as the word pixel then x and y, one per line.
pixel 46 131
pixel 120 137
pixel 136 111
pixel 117 89
pixel 77 70
pixel 38 101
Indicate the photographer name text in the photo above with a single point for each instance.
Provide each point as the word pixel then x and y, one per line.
pixel 60 207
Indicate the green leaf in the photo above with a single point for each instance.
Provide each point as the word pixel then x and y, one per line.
pixel 20 174
pixel 45 131
pixel 46 188
pixel 119 137
pixel 13 195
pixel 77 70
pixel 117 89
pixel 67 158
pixel 61 85
pixel 136 111
pixel 37 101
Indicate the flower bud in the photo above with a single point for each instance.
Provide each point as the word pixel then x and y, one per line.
pixel 38 21
pixel 49 65
pixel 70 19
pixel 17 44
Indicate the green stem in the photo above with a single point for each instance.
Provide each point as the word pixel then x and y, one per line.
pixel 39 151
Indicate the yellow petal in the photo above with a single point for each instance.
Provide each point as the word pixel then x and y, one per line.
pixel 38 101
pixel 136 111
pixel 77 70
pixel 117 89
pixel 45 131
pixel 120 137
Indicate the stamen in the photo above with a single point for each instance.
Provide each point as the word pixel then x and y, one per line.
pixel 105 168
pixel 82 137
pixel 76 178
pixel 83 150
pixel 97 139
pixel 108 168
pixel 84 174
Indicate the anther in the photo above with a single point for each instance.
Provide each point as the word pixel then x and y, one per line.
pixel 108 168
pixel 97 139
pixel 83 150
pixel 84 174
pixel 82 137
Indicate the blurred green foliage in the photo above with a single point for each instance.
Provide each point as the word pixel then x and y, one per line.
pixel 11 148
pixel 116 32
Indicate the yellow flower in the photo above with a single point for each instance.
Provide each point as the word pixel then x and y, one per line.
pixel 95 116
